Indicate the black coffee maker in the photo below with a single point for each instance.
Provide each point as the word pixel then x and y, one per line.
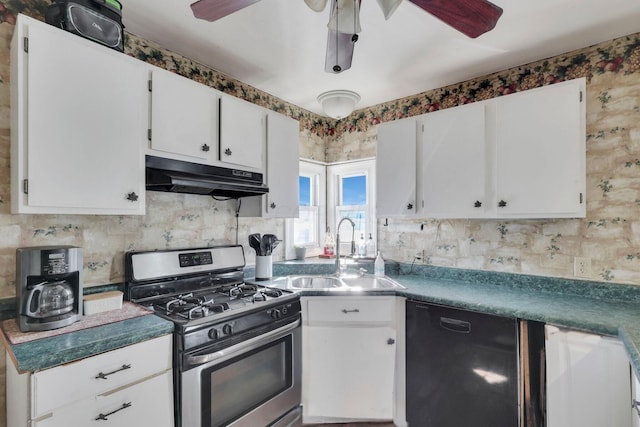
pixel 48 287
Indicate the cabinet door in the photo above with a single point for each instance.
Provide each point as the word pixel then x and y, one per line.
pixel 146 403
pixel 396 168
pixel 455 180
pixel 184 116
pixel 635 400
pixel 84 109
pixel 283 158
pixel 588 381
pixel 540 148
pixel 242 133
pixel 349 373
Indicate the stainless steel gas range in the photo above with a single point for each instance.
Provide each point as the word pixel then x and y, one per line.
pixel 237 347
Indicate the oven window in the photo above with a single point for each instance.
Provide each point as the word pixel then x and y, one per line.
pixel 239 385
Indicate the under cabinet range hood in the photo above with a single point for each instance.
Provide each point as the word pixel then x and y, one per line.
pixel 185 177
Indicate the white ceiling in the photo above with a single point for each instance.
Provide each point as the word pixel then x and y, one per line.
pixel 278 46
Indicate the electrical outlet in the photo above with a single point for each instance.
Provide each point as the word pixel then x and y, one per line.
pixel 582 267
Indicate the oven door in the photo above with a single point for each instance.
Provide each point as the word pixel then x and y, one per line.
pixel 253 383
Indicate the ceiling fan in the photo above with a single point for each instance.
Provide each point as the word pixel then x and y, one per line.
pixel 471 17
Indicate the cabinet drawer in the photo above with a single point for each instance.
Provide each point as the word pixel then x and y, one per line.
pixel 59 386
pixel 147 403
pixel 351 310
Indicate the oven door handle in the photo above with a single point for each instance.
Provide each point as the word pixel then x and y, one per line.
pixel 247 345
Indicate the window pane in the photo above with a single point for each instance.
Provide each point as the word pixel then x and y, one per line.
pixel 358 216
pixel 305 228
pixel 354 190
pixel 305 190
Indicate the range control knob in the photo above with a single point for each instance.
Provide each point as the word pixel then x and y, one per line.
pixel 227 329
pixel 276 314
pixel 213 334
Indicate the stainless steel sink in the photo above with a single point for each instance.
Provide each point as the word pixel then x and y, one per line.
pixel 313 282
pixel 370 282
pixel 343 283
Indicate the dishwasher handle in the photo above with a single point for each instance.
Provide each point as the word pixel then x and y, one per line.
pixel 455 325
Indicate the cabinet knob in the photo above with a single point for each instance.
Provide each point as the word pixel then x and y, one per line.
pixel 477 204
pixel 132 197
pixel 409 206
pixel 391 341
pixel 272 205
pixel 228 151
pixel 502 204
pixel 205 148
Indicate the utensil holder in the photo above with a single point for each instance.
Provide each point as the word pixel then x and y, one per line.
pixel 264 267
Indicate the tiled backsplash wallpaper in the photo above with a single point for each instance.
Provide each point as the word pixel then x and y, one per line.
pixel 547 247
pixel 609 235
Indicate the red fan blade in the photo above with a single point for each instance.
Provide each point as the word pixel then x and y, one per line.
pixel 470 17
pixel 211 10
pixel 339 51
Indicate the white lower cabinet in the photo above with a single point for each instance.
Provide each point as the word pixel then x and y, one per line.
pixel 136 405
pixel 349 358
pixel 128 386
pixel 588 380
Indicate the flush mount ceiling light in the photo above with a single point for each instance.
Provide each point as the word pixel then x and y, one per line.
pixel 338 104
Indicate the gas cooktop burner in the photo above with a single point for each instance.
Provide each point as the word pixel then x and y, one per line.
pixel 213 300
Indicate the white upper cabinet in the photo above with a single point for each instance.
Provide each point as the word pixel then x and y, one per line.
pixel 242 133
pixel 454 166
pixel 396 180
pixel 283 168
pixel 515 156
pixel 184 118
pixel 540 152
pixel 78 124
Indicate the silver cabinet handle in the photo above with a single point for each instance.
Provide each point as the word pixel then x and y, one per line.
pixel 104 376
pixel 103 417
pixel 355 310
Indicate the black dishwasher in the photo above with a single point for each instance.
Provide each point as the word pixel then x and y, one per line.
pixel 462 368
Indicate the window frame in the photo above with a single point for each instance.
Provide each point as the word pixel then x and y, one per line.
pixel 335 173
pixel 317 171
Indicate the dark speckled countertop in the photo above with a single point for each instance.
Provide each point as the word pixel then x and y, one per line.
pixel 597 307
pixel 603 308
pixel 56 350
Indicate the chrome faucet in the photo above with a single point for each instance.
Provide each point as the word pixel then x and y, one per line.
pixel 353 241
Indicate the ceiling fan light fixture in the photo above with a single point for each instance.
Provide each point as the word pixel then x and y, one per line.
pixel 338 104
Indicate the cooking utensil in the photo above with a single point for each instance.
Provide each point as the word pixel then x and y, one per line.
pixel 269 243
pixel 255 242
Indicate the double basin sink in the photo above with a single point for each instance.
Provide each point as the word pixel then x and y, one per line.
pixel 364 282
